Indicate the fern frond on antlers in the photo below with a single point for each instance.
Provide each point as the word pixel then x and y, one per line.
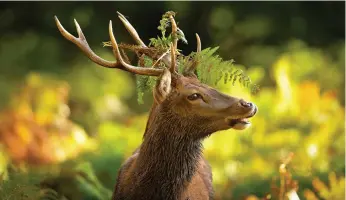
pixel 209 67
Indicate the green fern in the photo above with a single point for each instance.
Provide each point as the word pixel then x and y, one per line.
pixel 79 182
pixel 211 69
pixel 163 42
pixel 50 194
pixel 144 83
pixel 89 183
pixel 20 186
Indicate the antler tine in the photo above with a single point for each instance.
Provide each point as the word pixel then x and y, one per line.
pixel 199 45
pixel 175 42
pixel 174 31
pixel 131 30
pixel 195 62
pixel 136 37
pixel 173 59
pixel 82 43
pixel 130 68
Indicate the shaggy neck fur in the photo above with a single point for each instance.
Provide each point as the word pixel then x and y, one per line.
pixel 168 156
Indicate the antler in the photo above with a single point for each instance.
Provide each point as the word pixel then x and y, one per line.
pixel 82 43
pixel 131 30
pixel 190 70
pixel 199 46
pixel 165 57
pixel 169 60
pixel 174 44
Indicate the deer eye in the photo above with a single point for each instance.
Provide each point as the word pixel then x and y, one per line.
pixel 194 96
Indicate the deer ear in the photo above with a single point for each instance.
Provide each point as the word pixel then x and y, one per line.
pixel 163 86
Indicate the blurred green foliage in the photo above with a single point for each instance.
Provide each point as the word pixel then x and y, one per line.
pixel 295 51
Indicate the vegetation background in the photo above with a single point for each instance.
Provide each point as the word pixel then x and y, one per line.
pixel 66 125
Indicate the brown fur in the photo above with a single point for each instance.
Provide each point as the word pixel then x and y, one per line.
pixel 169 163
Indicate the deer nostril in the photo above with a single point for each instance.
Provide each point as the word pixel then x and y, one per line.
pixel 246 104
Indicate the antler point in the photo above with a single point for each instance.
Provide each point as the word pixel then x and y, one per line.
pixel 57 20
pixel 199 46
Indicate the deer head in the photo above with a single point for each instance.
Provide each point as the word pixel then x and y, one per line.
pixel 180 97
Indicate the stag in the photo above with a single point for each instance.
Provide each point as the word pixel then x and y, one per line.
pixel 169 164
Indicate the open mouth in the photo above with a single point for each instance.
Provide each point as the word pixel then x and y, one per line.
pixel 242 122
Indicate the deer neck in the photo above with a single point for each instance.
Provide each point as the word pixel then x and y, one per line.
pixel 169 154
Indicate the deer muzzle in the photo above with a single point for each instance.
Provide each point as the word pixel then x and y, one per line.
pixel 241 121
